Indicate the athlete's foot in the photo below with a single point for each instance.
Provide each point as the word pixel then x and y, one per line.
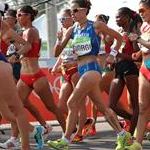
pixel 124 140
pixel 88 126
pixel 77 138
pixel 38 135
pixel 134 146
pixel 60 144
pixel 93 131
pixel 11 143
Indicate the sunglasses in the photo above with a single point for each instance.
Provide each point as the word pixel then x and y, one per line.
pixel 143 10
pixel 63 18
pixel 21 14
pixel 76 10
pixel 8 17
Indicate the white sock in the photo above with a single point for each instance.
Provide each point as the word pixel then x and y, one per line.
pixel 66 140
pixel 121 133
pixel 13 138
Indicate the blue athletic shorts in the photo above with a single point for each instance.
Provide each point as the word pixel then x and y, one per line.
pixel 92 66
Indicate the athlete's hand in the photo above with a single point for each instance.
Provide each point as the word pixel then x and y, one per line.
pixel 12 59
pixel 110 59
pixel 52 71
pixel 133 36
pixel 59 35
pixel 136 56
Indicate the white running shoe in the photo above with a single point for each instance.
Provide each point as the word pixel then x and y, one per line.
pixel 10 144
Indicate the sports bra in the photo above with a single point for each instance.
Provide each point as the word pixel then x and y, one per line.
pixel 34 51
pixel 35 47
pixel 4 47
pixel 85 41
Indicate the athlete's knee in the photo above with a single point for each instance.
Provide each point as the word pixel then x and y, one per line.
pixel 71 105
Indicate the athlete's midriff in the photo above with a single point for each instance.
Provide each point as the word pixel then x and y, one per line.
pixel 29 65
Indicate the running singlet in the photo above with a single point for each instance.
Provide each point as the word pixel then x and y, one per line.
pixel 85 41
pixel 105 47
pixel 126 47
pixel 145 30
pixel 68 54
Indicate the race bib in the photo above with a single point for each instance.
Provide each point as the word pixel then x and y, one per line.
pixel 68 52
pixel 82 45
pixel 146 37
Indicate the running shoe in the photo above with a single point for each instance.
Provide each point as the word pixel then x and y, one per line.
pixel 134 146
pixel 124 140
pixel 10 144
pixel 60 144
pixel 88 126
pixel 77 138
pixel 93 131
pixel 38 135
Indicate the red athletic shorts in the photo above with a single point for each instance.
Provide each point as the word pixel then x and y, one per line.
pixel 30 79
pixel 67 74
pixel 145 72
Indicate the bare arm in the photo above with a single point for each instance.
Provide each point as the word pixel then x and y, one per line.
pixel 102 27
pixel 59 46
pixel 135 37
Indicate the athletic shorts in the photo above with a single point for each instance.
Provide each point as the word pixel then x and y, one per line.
pixel 92 66
pixel 125 68
pixel 16 70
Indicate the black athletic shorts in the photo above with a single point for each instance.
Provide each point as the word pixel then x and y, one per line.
pixel 125 68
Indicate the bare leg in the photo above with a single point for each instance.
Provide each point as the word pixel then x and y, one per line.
pixel 35 112
pixel 81 90
pixel 82 117
pixel 41 87
pixel 132 85
pixel 144 102
pixel 65 91
pixel 10 97
pixel 115 93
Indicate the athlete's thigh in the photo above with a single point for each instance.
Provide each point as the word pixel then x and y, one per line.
pixel 23 90
pixel 144 91
pixel 84 86
pixel 65 91
pixel 74 79
pixel 8 90
pixel 96 97
pixel 106 81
